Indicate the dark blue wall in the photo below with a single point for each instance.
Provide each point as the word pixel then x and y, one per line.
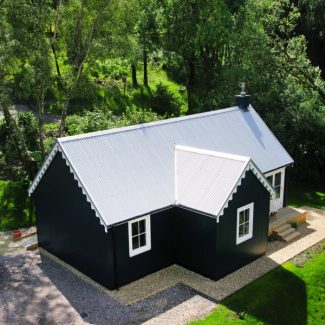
pixel 229 255
pixel 177 236
pixel 195 240
pixel 162 252
pixel 67 226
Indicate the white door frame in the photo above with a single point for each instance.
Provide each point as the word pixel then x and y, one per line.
pixel 277 202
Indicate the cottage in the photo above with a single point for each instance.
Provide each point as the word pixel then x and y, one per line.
pixel 195 190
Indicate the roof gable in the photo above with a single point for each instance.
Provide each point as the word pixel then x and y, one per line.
pixel 207 180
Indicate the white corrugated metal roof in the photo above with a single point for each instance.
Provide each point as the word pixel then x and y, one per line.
pixel 129 171
pixel 206 180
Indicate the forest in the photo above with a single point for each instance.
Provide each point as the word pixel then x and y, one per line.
pixel 78 66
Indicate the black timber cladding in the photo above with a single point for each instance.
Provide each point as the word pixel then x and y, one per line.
pixel 229 255
pixel 68 228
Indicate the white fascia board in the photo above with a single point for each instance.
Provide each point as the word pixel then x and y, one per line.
pixel 43 168
pixel 57 147
pixel 233 191
pixel 262 178
pixel 212 153
pixel 83 188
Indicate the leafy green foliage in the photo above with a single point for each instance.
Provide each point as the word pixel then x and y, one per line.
pixel 74 58
pixel 164 102
pixel 16 208
pixel 98 120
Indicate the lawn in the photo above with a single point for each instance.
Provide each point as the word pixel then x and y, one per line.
pixel 299 195
pixel 290 294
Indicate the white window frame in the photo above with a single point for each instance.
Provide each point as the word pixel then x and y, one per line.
pixel 147 247
pixel 248 236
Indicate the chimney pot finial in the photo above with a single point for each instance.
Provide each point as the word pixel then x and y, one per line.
pixel 243 100
pixel 243 86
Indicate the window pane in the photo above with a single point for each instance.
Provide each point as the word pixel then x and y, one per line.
pixel 142 240
pixel 241 230
pixel 270 179
pixel 277 179
pixel 142 225
pixel 277 184
pixel 246 215
pixel 135 228
pixel 135 242
pixel 241 217
pixel 246 228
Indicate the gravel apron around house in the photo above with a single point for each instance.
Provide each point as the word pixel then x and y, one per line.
pixel 39 290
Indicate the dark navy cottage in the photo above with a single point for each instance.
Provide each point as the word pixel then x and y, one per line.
pixel 123 203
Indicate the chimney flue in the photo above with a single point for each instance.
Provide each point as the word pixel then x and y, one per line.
pixel 243 100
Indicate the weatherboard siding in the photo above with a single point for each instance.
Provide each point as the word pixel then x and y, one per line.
pixel 68 228
pixel 229 255
pixel 160 255
pixel 195 239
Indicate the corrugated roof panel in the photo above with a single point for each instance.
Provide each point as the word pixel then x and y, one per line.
pixel 205 181
pixel 130 171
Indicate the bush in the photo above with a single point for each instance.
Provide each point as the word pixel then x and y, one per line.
pixel 163 102
pixel 16 208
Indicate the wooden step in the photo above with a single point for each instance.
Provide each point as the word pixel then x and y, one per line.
pixel 286 232
pixel 281 228
pixel 292 236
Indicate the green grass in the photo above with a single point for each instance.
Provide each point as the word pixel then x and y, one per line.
pixel 290 294
pixel 299 195
pixel 16 208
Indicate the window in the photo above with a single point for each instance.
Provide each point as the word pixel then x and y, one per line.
pixel 275 181
pixel 244 229
pixel 139 235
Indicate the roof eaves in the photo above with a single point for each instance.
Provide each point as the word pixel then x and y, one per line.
pixel 58 148
pixel 253 167
pixel 43 168
pixel 260 176
pixel 233 191
pixel 83 188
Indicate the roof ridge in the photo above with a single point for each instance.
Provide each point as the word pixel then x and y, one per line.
pixel 145 125
pixel 213 153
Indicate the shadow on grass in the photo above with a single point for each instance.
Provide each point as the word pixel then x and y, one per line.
pixel 278 297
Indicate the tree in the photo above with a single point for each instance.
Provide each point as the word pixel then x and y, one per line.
pixel 199 32
pixel 8 48
pixel 84 21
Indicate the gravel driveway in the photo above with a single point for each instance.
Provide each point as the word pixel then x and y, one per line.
pixel 37 290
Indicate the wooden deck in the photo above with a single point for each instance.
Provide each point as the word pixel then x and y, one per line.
pixel 287 215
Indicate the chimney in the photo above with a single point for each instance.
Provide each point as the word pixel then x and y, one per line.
pixel 243 100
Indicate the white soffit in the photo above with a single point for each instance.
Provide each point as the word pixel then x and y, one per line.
pixel 206 180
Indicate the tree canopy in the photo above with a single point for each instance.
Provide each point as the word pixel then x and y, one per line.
pixel 100 64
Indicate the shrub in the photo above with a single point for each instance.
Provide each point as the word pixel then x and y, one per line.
pixel 16 208
pixel 164 102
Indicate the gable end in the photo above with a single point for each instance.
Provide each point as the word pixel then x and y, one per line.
pixel 57 148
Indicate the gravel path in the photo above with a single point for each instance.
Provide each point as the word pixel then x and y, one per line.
pixel 27 296
pixel 36 290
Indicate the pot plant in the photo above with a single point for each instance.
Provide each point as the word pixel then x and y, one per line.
pixel 16 234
